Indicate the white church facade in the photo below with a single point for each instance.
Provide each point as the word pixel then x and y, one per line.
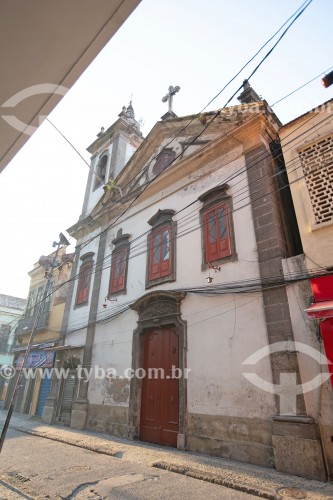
pixel 178 275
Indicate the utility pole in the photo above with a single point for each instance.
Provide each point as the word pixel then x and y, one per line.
pixel 62 242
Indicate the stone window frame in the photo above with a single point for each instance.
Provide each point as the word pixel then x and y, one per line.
pixel 210 199
pixel 87 262
pixel 158 309
pixel 160 219
pixel 101 170
pixel 120 243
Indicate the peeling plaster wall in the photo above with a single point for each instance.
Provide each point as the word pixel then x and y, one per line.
pixel 220 338
pixel 113 350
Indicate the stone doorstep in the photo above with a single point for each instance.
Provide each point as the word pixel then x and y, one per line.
pixel 256 485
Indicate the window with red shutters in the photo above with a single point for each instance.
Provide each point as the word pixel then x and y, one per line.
pixel 160 253
pixel 161 248
pixel 83 286
pixel 118 270
pixel 217 233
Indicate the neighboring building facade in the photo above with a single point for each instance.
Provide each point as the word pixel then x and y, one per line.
pixel 197 202
pixel 307 144
pixel 33 391
pixel 11 309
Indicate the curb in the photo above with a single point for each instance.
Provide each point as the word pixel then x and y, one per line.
pixel 211 478
pixel 70 443
pixel 287 491
pixel 196 474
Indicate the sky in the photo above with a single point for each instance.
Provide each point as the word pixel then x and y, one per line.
pixel 197 45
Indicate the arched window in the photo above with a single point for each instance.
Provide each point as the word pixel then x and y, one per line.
pixel 101 171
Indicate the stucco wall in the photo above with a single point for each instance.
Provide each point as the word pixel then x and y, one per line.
pixel 317 240
pixel 222 331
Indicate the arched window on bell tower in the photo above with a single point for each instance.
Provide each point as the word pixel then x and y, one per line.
pixel 101 171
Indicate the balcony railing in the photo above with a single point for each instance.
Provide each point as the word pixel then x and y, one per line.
pixel 25 325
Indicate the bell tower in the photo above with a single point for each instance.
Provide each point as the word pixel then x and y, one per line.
pixel 109 154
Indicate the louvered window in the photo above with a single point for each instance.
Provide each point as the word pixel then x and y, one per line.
pixel 160 253
pixel 217 233
pixel 119 263
pixel 84 279
pixel 161 249
pixel 317 164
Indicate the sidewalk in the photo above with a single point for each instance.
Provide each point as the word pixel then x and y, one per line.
pixel 260 481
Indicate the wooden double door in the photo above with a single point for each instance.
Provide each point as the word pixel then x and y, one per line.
pixel 159 420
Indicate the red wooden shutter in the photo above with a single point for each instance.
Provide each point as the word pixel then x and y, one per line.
pixel 217 233
pixel 118 270
pixel 155 255
pixel 121 276
pixel 224 232
pixel 83 284
pixel 160 253
pixel 211 233
pixel 113 285
pixel 165 252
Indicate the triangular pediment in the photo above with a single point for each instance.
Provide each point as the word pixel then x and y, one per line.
pixel 185 137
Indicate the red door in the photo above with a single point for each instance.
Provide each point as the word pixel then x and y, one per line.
pixel 159 422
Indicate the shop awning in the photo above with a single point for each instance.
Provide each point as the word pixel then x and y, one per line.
pixel 43 346
pixel 64 347
pixel 320 310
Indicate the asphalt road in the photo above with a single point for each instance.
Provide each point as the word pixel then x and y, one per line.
pixel 33 467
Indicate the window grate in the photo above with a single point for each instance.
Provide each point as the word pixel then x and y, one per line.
pixel 317 164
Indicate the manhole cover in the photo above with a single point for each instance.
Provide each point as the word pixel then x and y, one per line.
pixel 78 468
pixel 291 493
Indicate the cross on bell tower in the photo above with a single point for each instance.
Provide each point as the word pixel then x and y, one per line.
pixel 169 98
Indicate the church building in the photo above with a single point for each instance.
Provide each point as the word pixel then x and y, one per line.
pixel 178 288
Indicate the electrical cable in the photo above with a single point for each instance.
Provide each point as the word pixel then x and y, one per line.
pixel 184 234
pixel 305 4
pixel 264 155
pixel 233 197
pixel 303 7
pixel 254 285
pixel 302 86
pixel 191 229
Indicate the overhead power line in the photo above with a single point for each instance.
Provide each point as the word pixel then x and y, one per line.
pixel 243 169
pixel 294 17
pixel 301 87
pixel 193 228
pixel 252 285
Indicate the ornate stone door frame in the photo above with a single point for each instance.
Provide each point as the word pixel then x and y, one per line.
pixel 155 310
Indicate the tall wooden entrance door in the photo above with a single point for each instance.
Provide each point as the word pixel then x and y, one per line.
pixel 159 422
